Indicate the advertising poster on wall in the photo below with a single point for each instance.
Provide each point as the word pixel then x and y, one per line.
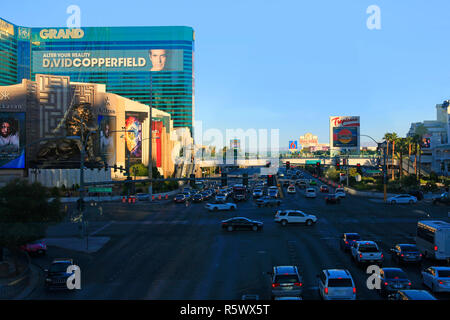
pixel 107 138
pixel 345 137
pixel 12 140
pixel 133 136
pixel 152 59
pixel 157 127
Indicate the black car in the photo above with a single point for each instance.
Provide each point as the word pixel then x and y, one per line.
pixel 332 198
pixel 406 253
pixel 197 197
pixel 411 294
pixel 206 195
pixel 56 276
pixel 241 223
pixel 418 194
pixel 443 198
pixel 179 198
pixel 393 279
pixel 347 240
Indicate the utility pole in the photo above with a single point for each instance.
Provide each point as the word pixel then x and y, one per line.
pixel 385 173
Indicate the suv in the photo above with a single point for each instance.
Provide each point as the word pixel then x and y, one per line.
pixel 272 192
pixel 366 251
pixel 56 276
pixel 336 284
pixel 286 281
pixel 294 216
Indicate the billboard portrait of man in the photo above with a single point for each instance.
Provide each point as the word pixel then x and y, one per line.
pixel 107 144
pixel 9 135
pixel 158 58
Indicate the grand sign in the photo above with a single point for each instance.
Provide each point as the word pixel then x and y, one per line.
pixel 61 34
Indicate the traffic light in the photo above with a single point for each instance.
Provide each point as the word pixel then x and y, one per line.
pixel 358 168
pixel 270 180
pixel 80 205
pixel 245 179
pixel 288 165
pixel 192 181
pixel 338 166
pixel 224 181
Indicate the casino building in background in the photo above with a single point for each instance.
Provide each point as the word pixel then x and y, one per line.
pixel 36 110
pixel 118 71
pixel 151 65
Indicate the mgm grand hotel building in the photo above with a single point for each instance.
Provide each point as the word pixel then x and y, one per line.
pixel 97 83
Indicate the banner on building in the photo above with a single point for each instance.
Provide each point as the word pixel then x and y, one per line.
pixel 12 140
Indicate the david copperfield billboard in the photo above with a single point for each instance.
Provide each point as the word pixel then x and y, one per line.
pixel 344 133
pixel 133 136
pixel 152 60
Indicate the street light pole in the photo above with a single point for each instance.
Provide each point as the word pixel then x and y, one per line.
pixel 150 160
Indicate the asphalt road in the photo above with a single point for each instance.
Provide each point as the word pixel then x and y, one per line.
pixel 172 251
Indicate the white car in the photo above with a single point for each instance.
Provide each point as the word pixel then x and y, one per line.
pixel 310 193
pixel 402 198
pixel 336 284
pixel 291 189
pixel 294 216
pixel 272 192
pixel 216 206
pixel 221 197
pixel 340 192
pixel 257 193
pixel 437 278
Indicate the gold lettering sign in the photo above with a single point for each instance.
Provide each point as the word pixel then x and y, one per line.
pixel 6 27
pixel 61 34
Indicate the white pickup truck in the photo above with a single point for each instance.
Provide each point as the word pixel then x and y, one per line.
pixel 366 252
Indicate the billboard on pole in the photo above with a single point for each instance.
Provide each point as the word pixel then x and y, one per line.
pixel 344 133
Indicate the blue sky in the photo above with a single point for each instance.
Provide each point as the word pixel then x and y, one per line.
pixel 289 65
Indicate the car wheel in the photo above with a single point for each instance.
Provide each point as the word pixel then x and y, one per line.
pixel 41 252
pixel 255 228
pixel 309 222
pixel 216 209
pixel 232 208
pixel 283 223
pixel 393 202
pixel 230 228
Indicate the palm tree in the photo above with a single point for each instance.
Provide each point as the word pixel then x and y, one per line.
pixel 409 143
pixel 391 137
pixel 402 148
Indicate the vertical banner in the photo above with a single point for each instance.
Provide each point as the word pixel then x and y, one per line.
pixel 133 136
pixel 12 140
pixel 107 141
pixel 156 131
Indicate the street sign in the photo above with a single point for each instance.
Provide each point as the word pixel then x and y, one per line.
pixel 100 190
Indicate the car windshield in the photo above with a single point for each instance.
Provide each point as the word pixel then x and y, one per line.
pixel 59 267
pixel 353 237
pixel 444 273
pixel 340 283
pixel 394 274
pixel 409 248
pixel 286 278
pixel 368 248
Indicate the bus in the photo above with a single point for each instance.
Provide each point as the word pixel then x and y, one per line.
pixel 433 239
pixel 239 192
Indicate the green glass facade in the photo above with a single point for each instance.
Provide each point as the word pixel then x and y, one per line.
pixel 119 57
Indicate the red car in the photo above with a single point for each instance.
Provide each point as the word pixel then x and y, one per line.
pixel 38 247
pixel 324 188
